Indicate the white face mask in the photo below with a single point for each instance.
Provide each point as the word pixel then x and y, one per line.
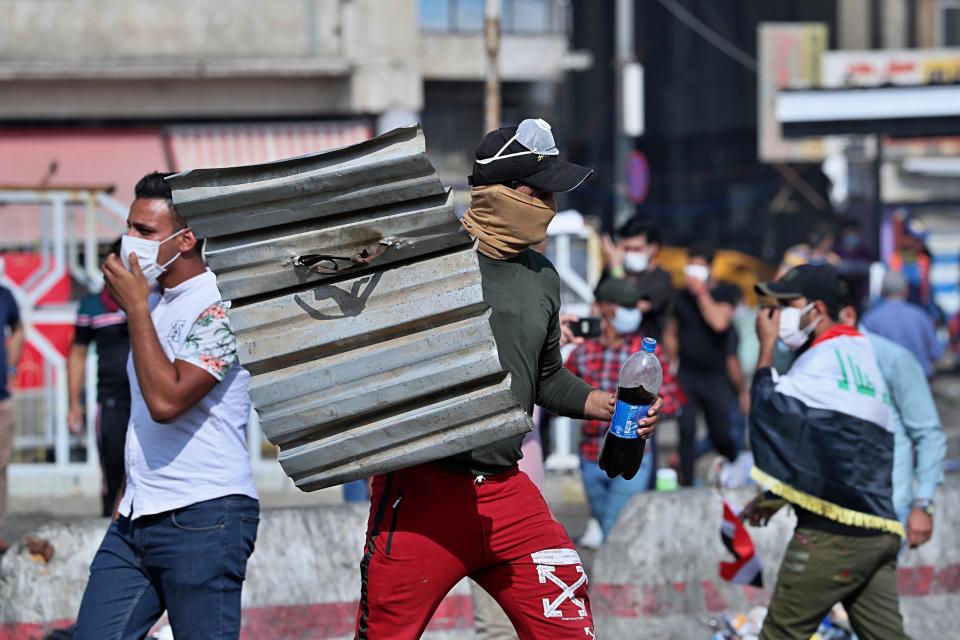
pixel 626 320
pixel 636 261
pixel 790 332
pixel 697 272
pixel 147 251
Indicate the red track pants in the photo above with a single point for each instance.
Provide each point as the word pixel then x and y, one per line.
pixel 429 528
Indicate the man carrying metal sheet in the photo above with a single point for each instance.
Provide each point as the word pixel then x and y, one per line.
pixel 475 514
pixel 189 513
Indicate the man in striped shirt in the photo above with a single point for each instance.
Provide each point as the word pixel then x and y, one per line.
pixel 101 322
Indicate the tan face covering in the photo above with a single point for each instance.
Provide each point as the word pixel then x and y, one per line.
pixel 505 221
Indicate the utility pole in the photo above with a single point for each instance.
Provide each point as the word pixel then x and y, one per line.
pixel 622 146
pixel 492 118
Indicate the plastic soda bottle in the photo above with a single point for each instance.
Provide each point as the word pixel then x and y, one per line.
pixel 638 386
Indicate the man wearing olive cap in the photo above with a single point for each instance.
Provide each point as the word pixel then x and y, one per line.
pixel 475 514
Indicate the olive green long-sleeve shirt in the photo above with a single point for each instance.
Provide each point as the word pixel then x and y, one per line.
pixel 524 295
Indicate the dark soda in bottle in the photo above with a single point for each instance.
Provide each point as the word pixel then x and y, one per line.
pixel 638 386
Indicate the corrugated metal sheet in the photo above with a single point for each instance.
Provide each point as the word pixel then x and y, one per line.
pixel 357 307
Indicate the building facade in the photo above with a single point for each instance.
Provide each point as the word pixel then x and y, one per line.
pixel 96 93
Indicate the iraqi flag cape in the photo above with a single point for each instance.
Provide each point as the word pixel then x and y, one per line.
pixel 822 434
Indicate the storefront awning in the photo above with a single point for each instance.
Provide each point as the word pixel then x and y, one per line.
pixel 927 110
pixel 232 145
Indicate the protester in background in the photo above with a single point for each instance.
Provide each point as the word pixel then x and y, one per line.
pixel 189 513
pixel 920 443
pixel 699 337
pixel 11 347
pixel 823 438
pixel 741 390
pixel 100 320
pixel 912 258
pixel 855 257
pixel 735 475
pixel 598 361
pixel 476 514
pixel 904 322
pixel 818 249
pixel 634 258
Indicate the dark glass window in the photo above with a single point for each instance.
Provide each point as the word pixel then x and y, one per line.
pixel 951 26
pixel 435 15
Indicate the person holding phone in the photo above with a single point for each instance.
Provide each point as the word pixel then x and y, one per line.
pixel 598 361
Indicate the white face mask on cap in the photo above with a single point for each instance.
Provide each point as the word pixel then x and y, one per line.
pixel 536 135
pixel 636 261
pixel 790 333
pixel 147 251
pixel 626 320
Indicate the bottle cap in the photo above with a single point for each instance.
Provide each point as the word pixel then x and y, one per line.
pixel 649 345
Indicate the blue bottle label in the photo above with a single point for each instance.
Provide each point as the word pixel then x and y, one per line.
pixel 626 418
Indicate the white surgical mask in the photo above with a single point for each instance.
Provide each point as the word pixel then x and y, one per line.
pixel 790 332
pixel 626 320
pixel 147 251
pixel 636 261
pixel 697 272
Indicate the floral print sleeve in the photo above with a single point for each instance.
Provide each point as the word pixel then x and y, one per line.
pixel 211 344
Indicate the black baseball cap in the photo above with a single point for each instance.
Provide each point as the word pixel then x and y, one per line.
pixel 617 291
pixel 528 154
pixel 810 281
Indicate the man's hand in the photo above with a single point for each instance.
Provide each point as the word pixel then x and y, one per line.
pixel 128 288
pixel 75 419
pixel 768 326
pixel 759 510
pixel 599 405
pixel 919 527
pixel 566 333
pixel 695 286
pixel 648 426
pixel 612 253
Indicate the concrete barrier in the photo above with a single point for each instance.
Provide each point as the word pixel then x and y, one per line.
pixel 303 580
pixel 657 575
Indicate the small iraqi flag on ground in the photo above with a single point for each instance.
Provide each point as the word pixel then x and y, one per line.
pixel 746 569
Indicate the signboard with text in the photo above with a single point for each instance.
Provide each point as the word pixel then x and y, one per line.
pixel 789 58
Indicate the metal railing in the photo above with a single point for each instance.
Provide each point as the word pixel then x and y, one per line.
pixel 574 248
pixel 68 222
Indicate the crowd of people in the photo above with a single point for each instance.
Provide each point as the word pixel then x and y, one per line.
pixel 842 425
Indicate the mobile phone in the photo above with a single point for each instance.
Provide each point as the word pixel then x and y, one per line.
pixel 586 327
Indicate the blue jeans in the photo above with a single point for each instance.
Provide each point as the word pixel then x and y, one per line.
pixel 608 496
pixel 738 431
pixel 190 561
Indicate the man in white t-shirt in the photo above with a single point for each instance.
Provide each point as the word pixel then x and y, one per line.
pixel 187 520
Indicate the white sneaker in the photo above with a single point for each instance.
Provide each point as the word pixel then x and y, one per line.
pixel 592 538
pixel 737 473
